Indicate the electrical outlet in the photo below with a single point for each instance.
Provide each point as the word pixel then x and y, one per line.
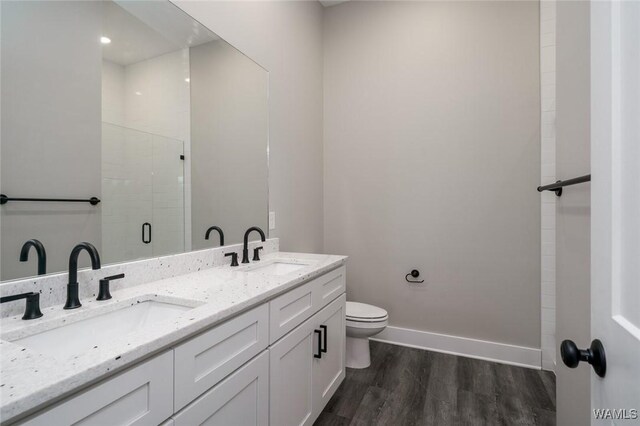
pixel 272 221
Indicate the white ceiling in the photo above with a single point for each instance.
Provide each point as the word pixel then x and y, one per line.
pixel 141 30
pixel 327 3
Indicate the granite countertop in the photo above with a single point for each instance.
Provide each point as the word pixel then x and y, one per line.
pixel 30 380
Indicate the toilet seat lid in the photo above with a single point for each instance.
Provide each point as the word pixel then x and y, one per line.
pixel 365 312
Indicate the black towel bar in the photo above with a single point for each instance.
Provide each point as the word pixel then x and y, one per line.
pixel 93 200
pixel 557 187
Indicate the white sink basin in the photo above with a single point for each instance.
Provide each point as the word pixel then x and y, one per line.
pixel 82 336
pixel 277 268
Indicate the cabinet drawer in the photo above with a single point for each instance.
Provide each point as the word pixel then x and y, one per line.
pixel 204 360
pixel 329 286
pixel 292 308
pixel 240 399
pixel 140 396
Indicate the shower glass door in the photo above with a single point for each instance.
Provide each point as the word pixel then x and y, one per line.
pixel 142 194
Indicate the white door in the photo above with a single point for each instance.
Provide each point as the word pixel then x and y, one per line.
pixel 291 376
pixel 329 370
pixel 615 207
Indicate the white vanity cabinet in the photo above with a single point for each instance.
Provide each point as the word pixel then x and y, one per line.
pixel 278 363
pixel 307 366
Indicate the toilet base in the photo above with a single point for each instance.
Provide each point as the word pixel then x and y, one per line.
pixel 358 353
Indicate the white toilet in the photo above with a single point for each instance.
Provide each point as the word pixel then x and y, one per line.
pixel 363 321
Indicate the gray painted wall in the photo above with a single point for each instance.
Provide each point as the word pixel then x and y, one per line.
pixel 50 129
pixel 229 135
pixel 573 209
pixel 286 39
pixel 432 157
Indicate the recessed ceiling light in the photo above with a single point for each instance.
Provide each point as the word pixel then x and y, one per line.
pixel 105 40
pixel 138 93
pixel 187 79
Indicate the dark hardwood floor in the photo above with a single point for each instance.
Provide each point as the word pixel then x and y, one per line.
pixel 405 386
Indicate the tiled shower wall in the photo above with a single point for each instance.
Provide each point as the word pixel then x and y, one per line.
pixel 141 182
pixel 145 130
pixel 163 108
pixel 547 175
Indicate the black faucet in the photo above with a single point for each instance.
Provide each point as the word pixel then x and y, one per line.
pixel 40 251
pixel 33 304
pixel 245 250
pixel 215 228
pixel 72 287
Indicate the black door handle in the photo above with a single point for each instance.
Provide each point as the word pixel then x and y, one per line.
pixel 594 355
pixel 144 225
pixel 319 334
pixel 324 339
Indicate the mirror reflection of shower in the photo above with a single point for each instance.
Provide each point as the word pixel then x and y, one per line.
pixel 163 114
pixel 142 183
pixel 145 133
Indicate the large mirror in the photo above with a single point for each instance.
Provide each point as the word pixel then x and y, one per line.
pixel 134 104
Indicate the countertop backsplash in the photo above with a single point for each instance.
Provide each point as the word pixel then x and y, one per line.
pixel 53 288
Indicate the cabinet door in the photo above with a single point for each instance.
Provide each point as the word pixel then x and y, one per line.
pixel 329 370
pixel 241 399
pixel 291 376
pixel 140 396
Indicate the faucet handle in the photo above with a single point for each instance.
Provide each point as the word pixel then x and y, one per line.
pixel 256 253
pixel 104 293
pixel 234 258
pixel 32 310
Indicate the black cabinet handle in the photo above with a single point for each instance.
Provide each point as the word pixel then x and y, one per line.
pixel 324 339
pixel 145 225
pixel 319 334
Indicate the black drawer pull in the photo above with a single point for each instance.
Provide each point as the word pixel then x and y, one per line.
pixel 319 354
pixel 324 339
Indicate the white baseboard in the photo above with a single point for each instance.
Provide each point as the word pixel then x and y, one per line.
pixel 463 346
pixel 548 363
